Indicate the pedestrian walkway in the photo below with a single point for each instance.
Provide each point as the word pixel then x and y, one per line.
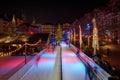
pixel 114 54
pixel 10 64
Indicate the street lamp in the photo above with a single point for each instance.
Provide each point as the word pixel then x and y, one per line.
pixel 25 52
pixel 25 40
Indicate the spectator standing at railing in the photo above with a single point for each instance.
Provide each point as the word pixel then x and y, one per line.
pixel 78 51
pixel 108 51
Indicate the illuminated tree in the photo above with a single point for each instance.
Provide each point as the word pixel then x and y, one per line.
pixel 74 33
pixel 95 43
pixel 59 34
pixel 80 36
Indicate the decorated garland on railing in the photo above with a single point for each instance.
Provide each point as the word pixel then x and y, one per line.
pixel 17 49
pixel 25 44
pixel 34 43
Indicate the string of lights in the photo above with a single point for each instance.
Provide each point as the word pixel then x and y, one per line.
pixel 25 44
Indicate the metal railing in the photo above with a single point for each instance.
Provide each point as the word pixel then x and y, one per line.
pixel 26 68
pixel 95 72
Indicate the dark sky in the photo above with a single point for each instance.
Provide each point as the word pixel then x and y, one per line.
pixel 48 11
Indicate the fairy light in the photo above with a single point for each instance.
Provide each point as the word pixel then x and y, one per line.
pixel 28 44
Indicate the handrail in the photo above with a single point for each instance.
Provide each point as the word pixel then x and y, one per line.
pixel 26 68
pixel 57 71
pixel 61 62
pixel 95 69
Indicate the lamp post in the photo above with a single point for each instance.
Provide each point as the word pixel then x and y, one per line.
pixel 25 52
pixel 24 39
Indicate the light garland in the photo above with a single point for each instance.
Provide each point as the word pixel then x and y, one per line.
pixel 25 44
pixel 34 43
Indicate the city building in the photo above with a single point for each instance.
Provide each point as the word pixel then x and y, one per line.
pixel 107 20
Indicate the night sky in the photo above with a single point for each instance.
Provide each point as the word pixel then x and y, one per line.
pixel 51 11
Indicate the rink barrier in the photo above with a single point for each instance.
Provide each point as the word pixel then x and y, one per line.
pixel 93 68
pixel 22 71
pixel 57 71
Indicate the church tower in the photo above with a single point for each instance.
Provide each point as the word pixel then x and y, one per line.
pixel 13 20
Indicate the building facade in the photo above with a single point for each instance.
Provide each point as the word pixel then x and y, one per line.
pixel 107 20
